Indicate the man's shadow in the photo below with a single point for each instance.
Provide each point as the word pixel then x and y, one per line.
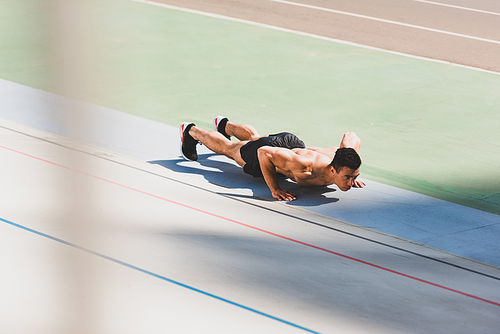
pixel 223 172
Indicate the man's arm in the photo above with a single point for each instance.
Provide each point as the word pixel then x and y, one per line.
pixel 287 160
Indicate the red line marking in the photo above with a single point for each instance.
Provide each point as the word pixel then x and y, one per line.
pixel 257 228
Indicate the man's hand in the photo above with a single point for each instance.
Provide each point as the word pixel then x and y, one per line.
pixel 284 195
pixel 358 184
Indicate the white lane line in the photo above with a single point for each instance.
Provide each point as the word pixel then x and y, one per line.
pixel 386 21
pixel 458 7
pixel 301 33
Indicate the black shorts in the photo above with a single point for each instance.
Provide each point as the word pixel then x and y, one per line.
pixel 249 150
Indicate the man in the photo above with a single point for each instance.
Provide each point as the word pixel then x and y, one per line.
pixel 282 153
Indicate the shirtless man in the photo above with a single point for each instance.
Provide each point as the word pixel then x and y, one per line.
pixel 282 153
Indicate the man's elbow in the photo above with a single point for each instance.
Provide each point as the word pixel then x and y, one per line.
pixel 350 139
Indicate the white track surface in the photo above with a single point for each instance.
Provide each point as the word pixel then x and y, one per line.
pixel 96 242
pixel 422 219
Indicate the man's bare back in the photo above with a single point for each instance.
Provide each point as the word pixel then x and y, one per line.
pixel 304 166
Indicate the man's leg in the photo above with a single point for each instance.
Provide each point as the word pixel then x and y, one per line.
pixel 242 132
pixel 216 142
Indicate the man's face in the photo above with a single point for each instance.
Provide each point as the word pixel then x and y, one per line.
pixel 345 178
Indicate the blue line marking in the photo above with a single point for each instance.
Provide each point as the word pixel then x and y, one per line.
pixel 154 275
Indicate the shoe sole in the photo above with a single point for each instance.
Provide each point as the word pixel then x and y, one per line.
pixel 216 126
pixel 181 130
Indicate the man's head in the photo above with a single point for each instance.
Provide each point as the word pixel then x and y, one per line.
pixel 345 167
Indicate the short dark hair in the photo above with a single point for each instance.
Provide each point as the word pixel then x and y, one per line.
pixel 346 157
